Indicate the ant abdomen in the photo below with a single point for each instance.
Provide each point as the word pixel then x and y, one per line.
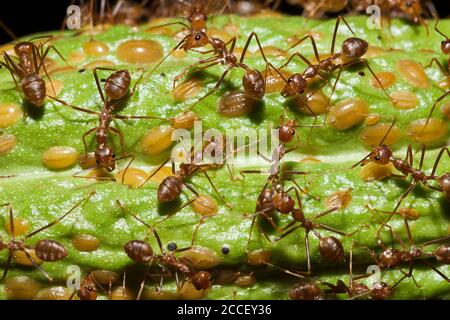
pixel 138 251
pixel 169 189
pixel 444 183
pixel 305 291
pixel 354 48
pixel 50 250
pixel 34 89
pixel 254 84
pixel 442 254
pixel 331 249
pixel 390 258
pixel 117 84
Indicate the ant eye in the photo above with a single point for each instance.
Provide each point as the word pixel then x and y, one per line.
pixel 198 37
pixel 113 155
pixel 377 157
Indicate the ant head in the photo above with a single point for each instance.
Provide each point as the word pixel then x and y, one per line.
pixel 105 158
pixel 381 290
pixel 201 280
pixel 197 20
pixel 295 85
pixel 196 39
pixel 445 46
pixel 88 292
pixel 25 47
pixel 283 202
pixel 381 155
pixel 444 183
pixel 286 131
pixel 354 48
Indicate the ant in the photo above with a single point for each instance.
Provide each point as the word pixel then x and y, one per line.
pixel 196 36
pixel 392 258
pixel 141 252
pixel 117 92
pixel 445 48
pixel 46 250
pixel 276 197
pixel 352 49
pixel 30 60
pixel 383 155
pixel 253 81
pixel 171 187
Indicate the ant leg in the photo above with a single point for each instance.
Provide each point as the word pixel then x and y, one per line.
pixel 297 54
pixel 324 213
pixel 244 51
pixel 13 69
pixel 313 42
pixel 288 232
pixel 60 218
pixel 440 66
pixel 7 30
pixel 36 265
pixel 84 139
pixel 217 191
pixel 154 172
pixel 436 270
pixel 121 137
pixel 168 24
pixel 409 156
pixel 99 88
pixel 158 239
pixel 432 110
pixel 438 159
pixel 142 284
pixel 422 156
pixel 169 54
pixel 443 239
pixel 249 171
pixel 7 265
pixel 407 192
pixel 366 63
pixel 219 82
pixel 207 61
pixel 336 29
pixel 42 64
pixel 72 106
pixel 325 227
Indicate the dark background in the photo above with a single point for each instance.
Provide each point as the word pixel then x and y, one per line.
pixel 31 16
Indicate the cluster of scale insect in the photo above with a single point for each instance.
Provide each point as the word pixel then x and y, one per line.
pixel 273 199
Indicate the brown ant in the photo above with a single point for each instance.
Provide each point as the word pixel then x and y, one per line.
pixel 117 92
pixel 276 197
pixel 171 187
pixel 30 61
pixel 355 290
pixel 46 250
pixel 196 31
pixel 141 252
pixel 383 155
pixel 352 49
pixel 392 258
pixel 253 81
